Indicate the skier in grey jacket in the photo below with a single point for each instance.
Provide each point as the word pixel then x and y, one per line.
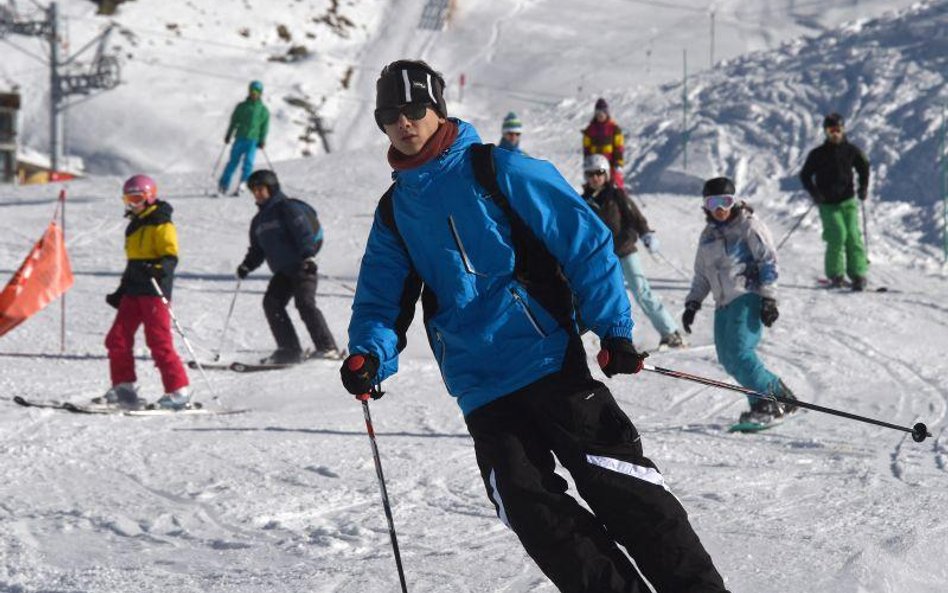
pixel 737 263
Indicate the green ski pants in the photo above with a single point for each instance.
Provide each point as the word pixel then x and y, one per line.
pixel 845 251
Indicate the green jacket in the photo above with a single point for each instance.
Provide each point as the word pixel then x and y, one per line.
pixel 251 119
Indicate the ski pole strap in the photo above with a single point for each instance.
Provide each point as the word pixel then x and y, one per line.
pixel 919 431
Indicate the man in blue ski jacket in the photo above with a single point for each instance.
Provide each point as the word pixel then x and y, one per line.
pixel 499 261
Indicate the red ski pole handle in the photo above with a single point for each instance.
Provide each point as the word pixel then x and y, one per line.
pixel 355 364
pixel 603 358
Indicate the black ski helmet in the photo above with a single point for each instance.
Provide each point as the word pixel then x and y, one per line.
pixel 264 178
pixel 719 186
pixel 833 120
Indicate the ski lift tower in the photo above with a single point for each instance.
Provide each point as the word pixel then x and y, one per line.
pixel 103 73
pixel 9 109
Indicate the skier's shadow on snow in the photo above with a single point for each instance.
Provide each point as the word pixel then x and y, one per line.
pixel 330 432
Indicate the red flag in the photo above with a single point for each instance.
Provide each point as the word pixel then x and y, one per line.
pixel 44 276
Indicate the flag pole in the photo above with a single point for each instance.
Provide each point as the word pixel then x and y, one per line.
pixel 62 317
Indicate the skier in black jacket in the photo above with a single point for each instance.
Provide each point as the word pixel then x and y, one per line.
pixel 828 176
pixel 282 234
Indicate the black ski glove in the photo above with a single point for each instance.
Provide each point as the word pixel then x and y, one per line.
pixel 768 311
pixel 156 272
pixel 359 373
pixel 242 271
pixel 114 299
pixel 619 357
pixel 863 194
pixel 691 307
pixel 308 267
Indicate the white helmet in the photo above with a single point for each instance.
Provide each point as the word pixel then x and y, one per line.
pixel 596 162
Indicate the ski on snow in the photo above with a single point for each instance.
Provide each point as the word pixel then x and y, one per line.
pixel 196 409
pixel 847 286
pixel 752 427
pixel 255 367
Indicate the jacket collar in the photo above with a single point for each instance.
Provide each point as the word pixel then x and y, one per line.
pixel 467 136
pixel 276 198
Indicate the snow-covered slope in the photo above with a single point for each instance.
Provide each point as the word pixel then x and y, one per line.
pixel 755 118
pixel 185 65
pixel 284 498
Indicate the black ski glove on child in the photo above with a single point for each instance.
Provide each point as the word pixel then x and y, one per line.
pixel 688 317
pixel 114 299
pixel 768 311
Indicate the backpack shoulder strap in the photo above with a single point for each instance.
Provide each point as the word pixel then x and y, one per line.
pixel 485 173
pixel 386 209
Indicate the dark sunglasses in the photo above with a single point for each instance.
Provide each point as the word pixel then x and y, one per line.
pixel 386 116
pixel 595 173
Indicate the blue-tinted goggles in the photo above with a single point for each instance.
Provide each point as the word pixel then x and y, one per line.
pixel 712 203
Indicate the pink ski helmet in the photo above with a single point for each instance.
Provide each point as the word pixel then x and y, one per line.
pixel 138 189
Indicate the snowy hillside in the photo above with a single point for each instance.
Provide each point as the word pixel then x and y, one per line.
pixel 185 63
pixel 284 498
pixel 756 117
pixel 184 66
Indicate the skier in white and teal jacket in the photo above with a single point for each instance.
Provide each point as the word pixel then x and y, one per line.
pixel 499 262
pixel 736 262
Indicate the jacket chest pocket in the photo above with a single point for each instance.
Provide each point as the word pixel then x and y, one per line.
pixel 483 247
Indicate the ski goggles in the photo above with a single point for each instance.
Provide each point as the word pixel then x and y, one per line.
pixel 386 116
pixel 712 203
pixel 134 199
pixel 591 174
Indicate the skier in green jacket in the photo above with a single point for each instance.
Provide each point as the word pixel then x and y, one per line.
pixel 249 124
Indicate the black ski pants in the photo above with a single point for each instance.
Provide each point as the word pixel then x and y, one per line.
pixel 302 289
pixel 572 416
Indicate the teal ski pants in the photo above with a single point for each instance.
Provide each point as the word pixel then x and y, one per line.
pixel 737 331
pixel 650 303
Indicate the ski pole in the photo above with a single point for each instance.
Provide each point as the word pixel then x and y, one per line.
pixel 266 156
pixel 795 226
pixel 184 338
pixel 919 431
pixel 670 264
pixel 217 164
pixel 355 363
pixel 865 229
pixel 230 313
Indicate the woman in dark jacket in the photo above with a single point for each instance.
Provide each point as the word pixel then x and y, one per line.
pixel 627 224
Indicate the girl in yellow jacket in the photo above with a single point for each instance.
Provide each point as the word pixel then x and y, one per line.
pixel 151 246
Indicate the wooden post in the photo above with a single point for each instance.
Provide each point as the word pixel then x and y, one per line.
pixel 62 317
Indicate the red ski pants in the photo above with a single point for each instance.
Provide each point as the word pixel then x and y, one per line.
pixel 149 311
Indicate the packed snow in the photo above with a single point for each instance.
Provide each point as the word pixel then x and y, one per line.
pixel 284 498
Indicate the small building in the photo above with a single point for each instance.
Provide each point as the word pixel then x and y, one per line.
pixel 9 114
pixel 33 167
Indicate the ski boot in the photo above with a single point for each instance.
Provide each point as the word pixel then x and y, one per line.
pixel 837 282
pixel 859 283
pixel 330 354
pixel 123 395
pixel 762 411
pixel 783 391
pixel 672 340
pixel 178 399
pixel 282 356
